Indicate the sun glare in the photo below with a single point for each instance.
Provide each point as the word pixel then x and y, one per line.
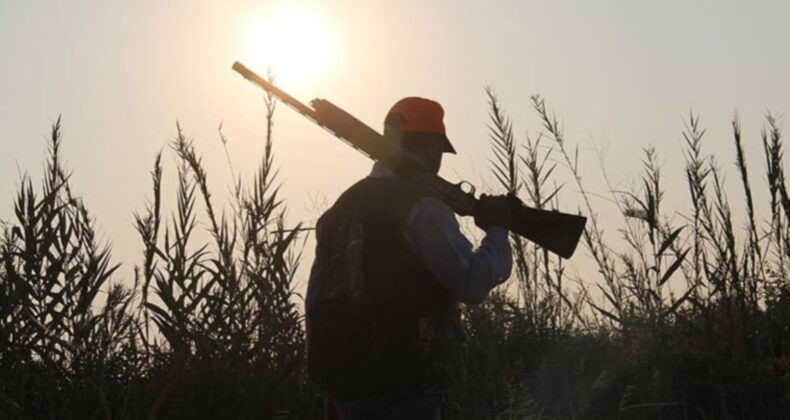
pixel 294 43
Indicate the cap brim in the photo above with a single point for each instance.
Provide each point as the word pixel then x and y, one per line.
pixel 447 147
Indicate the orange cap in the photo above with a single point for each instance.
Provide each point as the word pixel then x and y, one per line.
pixel 418 115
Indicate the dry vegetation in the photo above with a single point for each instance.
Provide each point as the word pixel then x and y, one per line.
pixel 213 330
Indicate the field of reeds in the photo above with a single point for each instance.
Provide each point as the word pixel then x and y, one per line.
pixel 213 329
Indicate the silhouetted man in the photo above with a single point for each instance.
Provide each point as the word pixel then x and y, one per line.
pixel 383 324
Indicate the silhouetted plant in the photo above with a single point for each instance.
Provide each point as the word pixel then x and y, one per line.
pixel 204 330
pixel 59 356
pixel 670 353
pixel 684 319
pixel 233 333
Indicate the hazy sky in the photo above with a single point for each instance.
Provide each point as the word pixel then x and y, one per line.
pixel 618 73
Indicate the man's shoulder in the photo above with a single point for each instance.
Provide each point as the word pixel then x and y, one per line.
pixel 431 206
pixel 388 197
pixel 349 194
pixel 352 197
pixel 382 190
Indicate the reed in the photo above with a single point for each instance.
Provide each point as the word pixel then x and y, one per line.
pixel 706 347
pixel 683 319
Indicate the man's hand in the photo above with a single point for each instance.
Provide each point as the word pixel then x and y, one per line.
pixel 492 210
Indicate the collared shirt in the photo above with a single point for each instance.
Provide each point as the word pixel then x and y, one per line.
pixel 436 239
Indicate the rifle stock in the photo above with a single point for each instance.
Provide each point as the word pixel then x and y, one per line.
pixel 556 232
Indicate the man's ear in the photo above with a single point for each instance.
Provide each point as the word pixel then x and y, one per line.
pixel 393 121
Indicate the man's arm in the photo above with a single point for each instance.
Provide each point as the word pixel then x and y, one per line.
pixel 468 274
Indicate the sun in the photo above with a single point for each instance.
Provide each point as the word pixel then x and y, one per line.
pixel 294 42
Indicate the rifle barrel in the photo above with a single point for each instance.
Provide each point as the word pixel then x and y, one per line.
pixel 554 231
pixel 274 90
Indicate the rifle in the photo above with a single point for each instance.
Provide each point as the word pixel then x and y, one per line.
pixel 554 231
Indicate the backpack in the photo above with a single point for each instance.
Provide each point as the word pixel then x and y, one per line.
pixel 379 335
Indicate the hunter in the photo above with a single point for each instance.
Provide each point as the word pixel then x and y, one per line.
pixel 383 323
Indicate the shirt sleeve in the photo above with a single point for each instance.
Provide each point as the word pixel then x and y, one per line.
pixel 468 274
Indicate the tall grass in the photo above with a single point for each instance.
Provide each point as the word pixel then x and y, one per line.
pixel 205 330
pixel 683 319
pixel 714 345
pixel 59 354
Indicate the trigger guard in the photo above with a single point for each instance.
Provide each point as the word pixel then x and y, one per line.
pixel 466 187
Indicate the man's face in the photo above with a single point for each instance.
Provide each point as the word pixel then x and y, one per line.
pixel 433 156
pixel 428 149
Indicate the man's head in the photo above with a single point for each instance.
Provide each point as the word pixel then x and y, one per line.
pixel 417 124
